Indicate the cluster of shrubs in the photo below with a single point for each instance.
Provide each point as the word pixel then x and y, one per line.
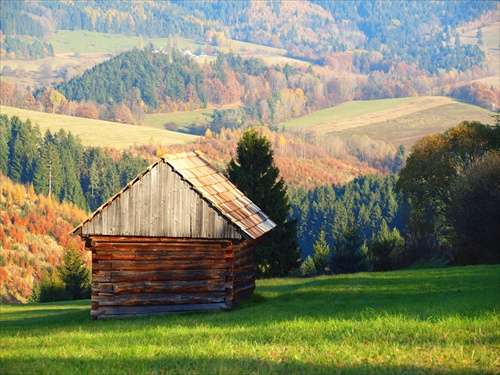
pixel 70 281
pixel 351 254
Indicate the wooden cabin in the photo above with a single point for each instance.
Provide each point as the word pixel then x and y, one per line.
pixel 179 237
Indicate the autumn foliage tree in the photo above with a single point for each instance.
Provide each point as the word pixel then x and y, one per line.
pixel 430 183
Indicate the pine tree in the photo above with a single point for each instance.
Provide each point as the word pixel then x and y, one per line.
pixel 4 154
pixel 348 255
pixel 321 253
pixel 16 160
pixel 255 174
pixel 75 275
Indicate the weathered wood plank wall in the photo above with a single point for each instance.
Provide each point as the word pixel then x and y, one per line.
pixel 134 276
pixel 160 204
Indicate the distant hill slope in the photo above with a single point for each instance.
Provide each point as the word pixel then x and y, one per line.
pixel 34 231
pixel 100 133
pixel 397 121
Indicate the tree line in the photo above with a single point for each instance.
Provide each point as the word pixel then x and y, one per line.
pixel 129 85
pixel 58 165
pixel 22 49
pixel 443 207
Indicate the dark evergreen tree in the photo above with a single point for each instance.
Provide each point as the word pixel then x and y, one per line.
pixel 4 153
pixel 75 275
pixel 386 251
pixel 255 174
pixel 16 160
pixel 71 155
pixel 348 253
pixel 321 253
pixel 23 144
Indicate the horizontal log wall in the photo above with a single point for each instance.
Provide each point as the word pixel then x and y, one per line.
pixel 244 271
pixel 143 276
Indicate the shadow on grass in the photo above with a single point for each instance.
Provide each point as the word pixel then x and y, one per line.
pixel 420 294
pixel 207 366
pixel 51 314
pixel 417 295
pixel 255 337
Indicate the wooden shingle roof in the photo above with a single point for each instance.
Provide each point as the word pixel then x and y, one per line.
pixel 213 187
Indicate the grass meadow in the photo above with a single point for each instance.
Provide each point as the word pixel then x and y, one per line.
pixel 81 41
pixel 185 118
pixel 98 132
pixel 182 119
pixel 413 322
pixel 491 46
pixel 397 121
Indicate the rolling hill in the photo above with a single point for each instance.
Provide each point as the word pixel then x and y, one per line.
pixel 397 121
pixel 100 133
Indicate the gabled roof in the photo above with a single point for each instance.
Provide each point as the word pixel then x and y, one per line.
pixel 213 187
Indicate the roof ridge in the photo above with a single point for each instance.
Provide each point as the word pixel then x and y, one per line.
pixel 193 168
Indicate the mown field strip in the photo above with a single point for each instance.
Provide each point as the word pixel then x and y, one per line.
pixel 97 132
pixel 397 121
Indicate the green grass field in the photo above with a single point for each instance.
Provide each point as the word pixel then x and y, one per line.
pixel 345 111
pixel 81 41
pixel 182 119
pixel 97 132
pixel 397 121
pixel 412 322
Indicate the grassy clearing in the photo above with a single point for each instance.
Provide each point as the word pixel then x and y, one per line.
pixel 67 41
pixel 99 133
pixel 491 45
pixel 420 321
pixel 397 121
pixel 184 119
pixel 345 111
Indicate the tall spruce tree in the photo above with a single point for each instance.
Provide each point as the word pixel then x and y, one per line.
pixel 75 275
pixel 255 174
pixel 4 153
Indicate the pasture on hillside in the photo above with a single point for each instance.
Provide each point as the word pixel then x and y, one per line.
pixel 413 322
pixel 82 41
pixel 397 121
pixel 185 118
pixel 491 46
pixel 100 133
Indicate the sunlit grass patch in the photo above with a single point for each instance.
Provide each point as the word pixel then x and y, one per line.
pixel 418 321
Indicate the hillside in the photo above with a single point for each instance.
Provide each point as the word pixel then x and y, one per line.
pixel 441 321
pixel 308 29
pixel 34 231
pixel 397 121
pixel 100 133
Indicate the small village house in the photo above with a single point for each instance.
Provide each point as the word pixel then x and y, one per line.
pixel 179 237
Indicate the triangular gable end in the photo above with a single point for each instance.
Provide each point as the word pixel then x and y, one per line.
pixel 178 196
